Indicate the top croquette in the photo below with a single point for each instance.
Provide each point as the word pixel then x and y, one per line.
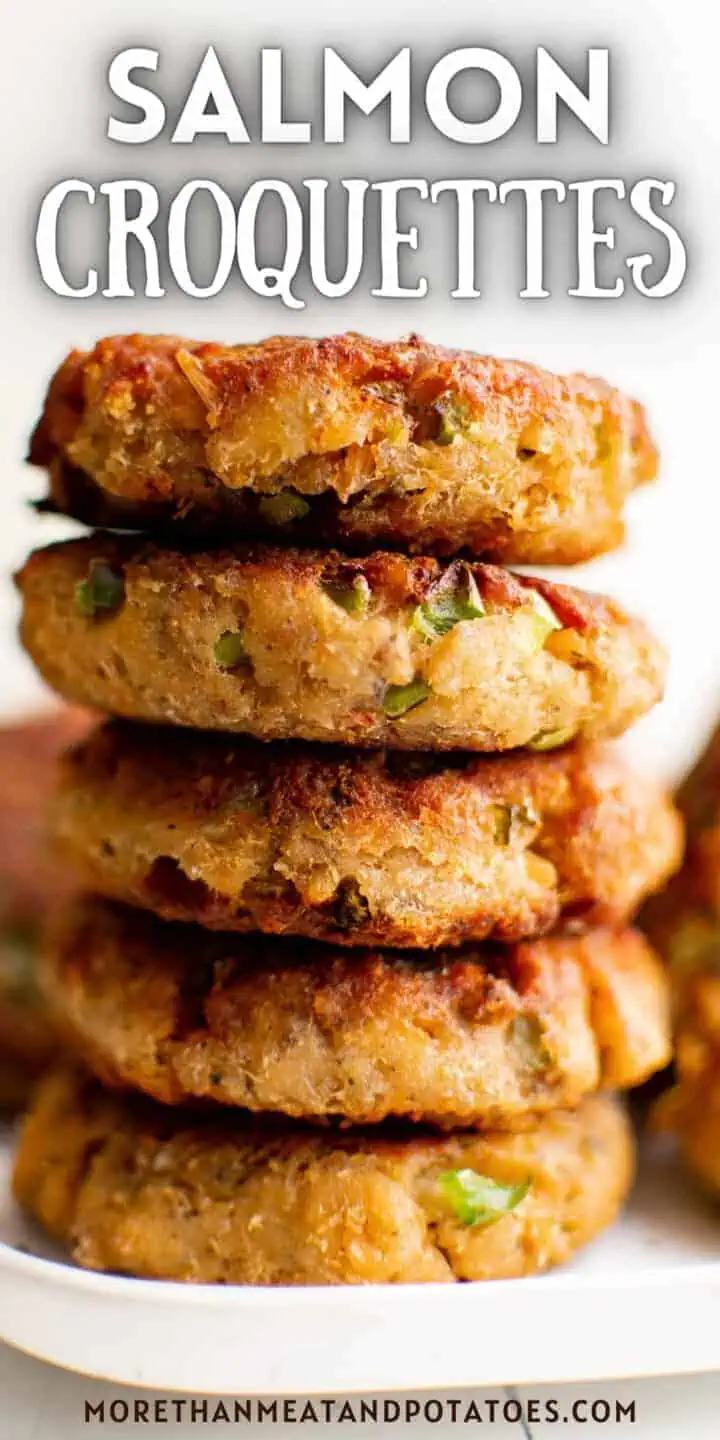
pixel 386 650
pixel 345 439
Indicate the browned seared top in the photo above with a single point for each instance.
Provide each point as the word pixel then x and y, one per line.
pixel 376 441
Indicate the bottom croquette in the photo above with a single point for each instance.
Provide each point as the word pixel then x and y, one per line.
pixel 132 1188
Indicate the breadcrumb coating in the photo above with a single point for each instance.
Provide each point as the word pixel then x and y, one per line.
pixel 138 1190
pixel 487 1035
pixel 294 644
pixel 346 439
pixel 361 847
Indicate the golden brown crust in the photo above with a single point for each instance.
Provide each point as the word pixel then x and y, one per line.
pixel 314 669
pixel 386 442
pixel 358 847
pixel 486 1036
pixel 136 1189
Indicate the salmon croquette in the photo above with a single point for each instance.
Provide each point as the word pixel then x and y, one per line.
pixel 691 1109
pixel 27 1034
pixel 32 885
pixel 346 439
pixel 489 1035
pixel 141 1190
pixel 309 645
pixel 361 847
pixel 30 878
pixel 684 920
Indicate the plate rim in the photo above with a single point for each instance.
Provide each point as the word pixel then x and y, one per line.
pixel 102 1327
pixel 65 1273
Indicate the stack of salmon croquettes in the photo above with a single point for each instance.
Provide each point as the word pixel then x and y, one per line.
pixel 353 981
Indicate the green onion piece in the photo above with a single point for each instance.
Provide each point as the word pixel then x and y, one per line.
pixel 695 943
pixel 456 597
pixel 399 699
pixel 102 590
pixel 526 1035
pixel 18 964
pixel 229 650
pixel 545 611
pixel 351 908
pixel 447 429
pixel 452 419
pixel 283 508
pixel 543 617
pixel 509 819
pixel 551 739
pixel 353 597
pixel 478 1200
pixel 387 390
pixel 253 798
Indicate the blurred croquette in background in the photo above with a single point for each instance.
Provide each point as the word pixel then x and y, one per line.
pixel 32 885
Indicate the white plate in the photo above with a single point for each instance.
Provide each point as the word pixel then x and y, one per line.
pixel 643 1300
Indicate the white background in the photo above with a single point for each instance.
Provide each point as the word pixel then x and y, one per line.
pixel 54 106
